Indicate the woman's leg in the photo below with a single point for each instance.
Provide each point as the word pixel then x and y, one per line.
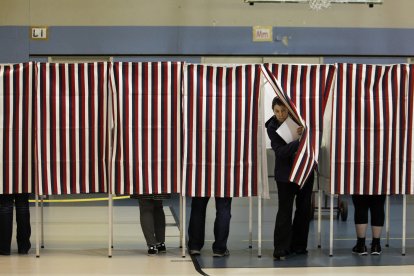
pixel 146 211
pixel 301 221
pixel 159 221
pixel 23 222
pixel 283 226
pixel 6 223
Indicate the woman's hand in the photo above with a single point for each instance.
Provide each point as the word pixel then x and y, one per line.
pixel 299 130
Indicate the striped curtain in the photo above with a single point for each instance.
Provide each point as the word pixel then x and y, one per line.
pixel 220 123
pixel 71 128
pixel 17 86
pixel 369 130
pixel 407 183
pixel 147 119
pixel 305 159
pixel 308 87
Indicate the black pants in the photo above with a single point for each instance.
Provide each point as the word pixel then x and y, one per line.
pixel 288 236
pixel 152 219
pixel 21 201
pixel 373 203
pixel 196 228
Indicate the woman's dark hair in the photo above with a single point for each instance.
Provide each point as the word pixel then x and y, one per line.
pixel 277 101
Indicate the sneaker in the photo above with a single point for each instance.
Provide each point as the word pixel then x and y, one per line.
pixel 376 249
pixel 152 250
pixel 195 252
pixel 221 254
pixel 361 250
pixel 280 255
pixel 161 248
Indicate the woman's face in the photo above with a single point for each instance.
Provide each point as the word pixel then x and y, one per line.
pixel 281 113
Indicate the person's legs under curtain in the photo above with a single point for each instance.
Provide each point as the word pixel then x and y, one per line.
pixel 6 223
pixel 196 227
pixel 146 211
pixel 159 221
pixel 23 223
pixel 222 224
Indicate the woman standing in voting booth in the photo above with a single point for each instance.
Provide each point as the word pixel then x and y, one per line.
pixel 288 237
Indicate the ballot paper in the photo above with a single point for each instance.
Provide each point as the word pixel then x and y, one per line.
pixel 288 130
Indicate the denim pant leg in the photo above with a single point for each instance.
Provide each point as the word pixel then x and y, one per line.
pixel 196 227
pixel 6 223
pixel 222 224
pixel 146 212
pixel 23 222
pixel 159 221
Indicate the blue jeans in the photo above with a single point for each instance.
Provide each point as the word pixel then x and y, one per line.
pixel 21 201
pixel 196 229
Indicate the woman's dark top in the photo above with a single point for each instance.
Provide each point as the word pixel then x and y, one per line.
pixel 284 153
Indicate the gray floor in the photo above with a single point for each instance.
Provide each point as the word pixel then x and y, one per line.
pixel 76 243
pixel 344 239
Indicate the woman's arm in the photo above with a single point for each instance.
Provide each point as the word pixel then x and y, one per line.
pixel 280 147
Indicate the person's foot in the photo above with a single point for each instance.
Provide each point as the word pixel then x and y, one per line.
pixel 161 248
pixel 360 249
pixel 4 253
pixel 194 252
pixel 376 249
pixel 301 252
pixel 221 254
pixel 23 251
pixel 280 255
pixel 152 250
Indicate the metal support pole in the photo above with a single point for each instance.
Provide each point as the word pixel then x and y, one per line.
pixel 404 227
pixel 110 225
pixel 42 222
pixel 183 228
pixel 181 222
pixel 331 227
pixel 250 222
pixel 387 221
pixel 259 223
pixel 37 226
pixel 319 217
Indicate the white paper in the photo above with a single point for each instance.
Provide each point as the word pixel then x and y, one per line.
pixel 288 130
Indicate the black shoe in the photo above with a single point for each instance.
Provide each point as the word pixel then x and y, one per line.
pixel 361 250
pixel 161 248
pixel 4 253
pixel 23 252
pixel 301 252
pixel 376 249
pixel 280 255
pixel 221 254
pixel 152 250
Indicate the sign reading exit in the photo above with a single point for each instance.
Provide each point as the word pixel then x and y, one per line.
pixel 38 32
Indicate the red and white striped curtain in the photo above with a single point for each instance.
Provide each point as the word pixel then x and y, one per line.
pixel 407 183
pixel 71 128
pixel 369 151
pixel 147 122
pixel 17 86
pixel 220 124
pixel 305 159
pixel 308 87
